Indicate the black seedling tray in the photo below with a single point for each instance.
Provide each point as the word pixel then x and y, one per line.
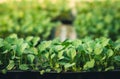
pixel 67 75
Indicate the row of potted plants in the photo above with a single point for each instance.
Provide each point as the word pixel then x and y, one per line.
pixel 80 55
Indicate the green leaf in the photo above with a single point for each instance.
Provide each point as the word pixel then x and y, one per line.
pixel 23 67
pixel 4 71
pixel 60 54
pixel 29 38
pixel 53 55
pixel 117 58
pixel 66 43
pixel 30 58
pixel 68 65
pixel 108 18
pixel 89 49
pixel 98 49
pixel 57 65
pixel 11 65
pixel 77 42
pixel 110 52
pixel 33 50
pixel 48 70
pixel 35 40
pixel 44 45
pixel 24 46
pixel 109 68
pixel 7 46
pixel 71 53
pixel 80 48
pixel 13 36
pixel 18 50
pixel 103 58
pixel 104 41
pixel 58 47
pixel 47 55
pixel 42 72
pixel 117 44
pixel 19 47
pixel 4 52
pixel 58 70
pixel 89 64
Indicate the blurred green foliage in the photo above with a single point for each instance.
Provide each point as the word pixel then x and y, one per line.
pixel 28 18
pixel 94 19
pixel 98 19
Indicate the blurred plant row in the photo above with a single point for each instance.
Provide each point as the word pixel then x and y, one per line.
pixel 27 18
pixel 101 54
pixel 94 19
pixel 98 19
